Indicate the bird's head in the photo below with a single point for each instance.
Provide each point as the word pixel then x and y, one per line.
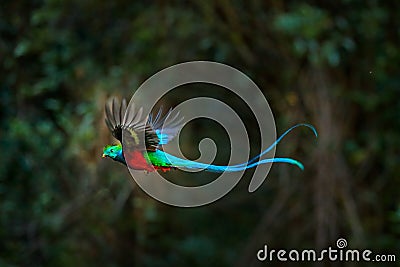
pixel 112 151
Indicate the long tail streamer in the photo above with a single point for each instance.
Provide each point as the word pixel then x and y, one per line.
pixel 188 164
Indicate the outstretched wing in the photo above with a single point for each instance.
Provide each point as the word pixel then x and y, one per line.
pixel 115 112
pixel 123 120
pixel 166 127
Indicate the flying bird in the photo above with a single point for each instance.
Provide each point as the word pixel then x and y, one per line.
pixel 145 136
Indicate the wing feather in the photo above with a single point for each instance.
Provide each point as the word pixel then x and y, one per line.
pixel 166 127
pixel 123 120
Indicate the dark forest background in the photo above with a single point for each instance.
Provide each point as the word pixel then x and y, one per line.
pixel 334 64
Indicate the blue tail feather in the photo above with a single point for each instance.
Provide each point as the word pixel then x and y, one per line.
pixel 278 140
pixel 183 163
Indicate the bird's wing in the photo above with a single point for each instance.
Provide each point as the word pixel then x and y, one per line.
pixel 123 120
pixel 167 127
pixel 115 112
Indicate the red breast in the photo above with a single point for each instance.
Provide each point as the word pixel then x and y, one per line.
pixel 135 160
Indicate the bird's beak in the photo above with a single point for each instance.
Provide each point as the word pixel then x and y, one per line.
pixel 103 156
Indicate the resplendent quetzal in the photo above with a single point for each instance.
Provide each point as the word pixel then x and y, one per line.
pixel 148 155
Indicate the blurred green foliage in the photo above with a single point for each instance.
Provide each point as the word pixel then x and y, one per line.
pixel 333 64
